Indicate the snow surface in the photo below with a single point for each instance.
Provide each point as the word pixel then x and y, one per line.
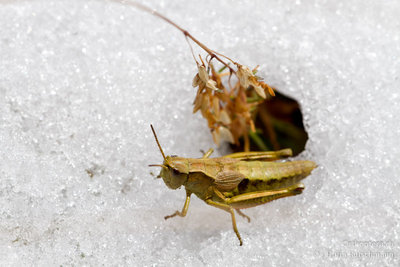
pixel 81 81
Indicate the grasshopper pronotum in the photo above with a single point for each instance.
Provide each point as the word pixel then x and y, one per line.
pixel 235 181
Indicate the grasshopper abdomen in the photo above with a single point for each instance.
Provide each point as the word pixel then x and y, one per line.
pixel 272 175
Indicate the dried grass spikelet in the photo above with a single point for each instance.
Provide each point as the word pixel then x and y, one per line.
pixel 248 79
pixel 222 133
pixel 202 77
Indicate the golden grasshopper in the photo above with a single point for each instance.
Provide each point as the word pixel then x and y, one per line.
pixel 236 181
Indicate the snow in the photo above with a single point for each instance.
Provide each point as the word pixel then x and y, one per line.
pixel 82 80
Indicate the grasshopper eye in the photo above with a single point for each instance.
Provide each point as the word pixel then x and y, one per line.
pixel 175 172
pixel 173 156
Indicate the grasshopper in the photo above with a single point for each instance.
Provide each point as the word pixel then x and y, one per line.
pixel 235 181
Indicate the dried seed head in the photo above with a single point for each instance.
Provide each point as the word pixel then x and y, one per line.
pixel 197 103
pixel 196 80
pixel 215 135
pixel 269 88
pixel 260 91
pixel 225 134
pixel 203 73
pixel 212 85
pixel 203 77
pixel 227 111
pixel 247 79
pixel 224 117
pixel 205 104
pixel 215 106
pixel 243 74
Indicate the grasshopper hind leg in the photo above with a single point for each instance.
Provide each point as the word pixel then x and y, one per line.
pixel 229 209
pixel 252 199
pixel 243 215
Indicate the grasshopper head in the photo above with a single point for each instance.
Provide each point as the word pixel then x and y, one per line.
pixel 173 170
pixel 172 177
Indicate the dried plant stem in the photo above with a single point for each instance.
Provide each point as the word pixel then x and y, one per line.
pixel 212 53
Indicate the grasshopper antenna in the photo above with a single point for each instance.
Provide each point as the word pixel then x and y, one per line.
pixel 155 136
pixel 158 165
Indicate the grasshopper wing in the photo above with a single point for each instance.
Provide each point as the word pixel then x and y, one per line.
pixel 266 155
pixel 228 180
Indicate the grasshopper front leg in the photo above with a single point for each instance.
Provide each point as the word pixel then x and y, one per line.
pixel 184 209
pixel 229 209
